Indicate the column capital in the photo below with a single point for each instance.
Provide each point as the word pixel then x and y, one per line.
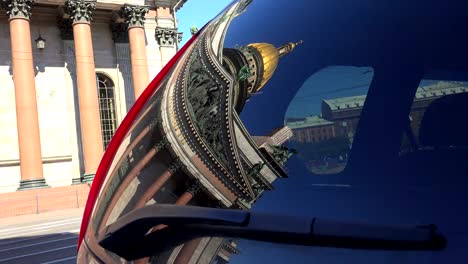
pixel 17 8
pixel 66 28
pixel 175 166
pixel 156 122
pixel 134 15
pixel 179 37
pixel 194 187
pixel 80 11
pixel 161 144
pixel 166 36
pixel 119 32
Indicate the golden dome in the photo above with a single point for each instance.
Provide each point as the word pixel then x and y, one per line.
pixel 270 57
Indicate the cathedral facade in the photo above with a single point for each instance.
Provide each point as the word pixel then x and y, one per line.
pixel 69 72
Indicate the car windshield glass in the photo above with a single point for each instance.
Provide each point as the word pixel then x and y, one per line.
pixel 324 115
pixel 445 132
pixel 304 114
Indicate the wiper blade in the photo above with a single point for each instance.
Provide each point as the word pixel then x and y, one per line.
pixel 129 236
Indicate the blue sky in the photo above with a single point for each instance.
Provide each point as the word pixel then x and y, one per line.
pixel 198 13
pixel 329 83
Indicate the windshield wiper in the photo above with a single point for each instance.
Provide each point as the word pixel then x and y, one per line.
pixel 129 236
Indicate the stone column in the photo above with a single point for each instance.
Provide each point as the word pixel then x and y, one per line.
pixel 157 184
pixel 66 34
pixel 135 18
pixel 184 199
pixel 188 195
pixel 80 12
pixel 29 141
pixel 188 249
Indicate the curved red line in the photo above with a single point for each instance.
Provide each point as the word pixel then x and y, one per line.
pixel 119 136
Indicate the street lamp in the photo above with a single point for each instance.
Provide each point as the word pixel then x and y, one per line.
pixel 40 42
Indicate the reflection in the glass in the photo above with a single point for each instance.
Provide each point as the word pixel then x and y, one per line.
pixel 428 96
pixel 189 146
pixel 324 115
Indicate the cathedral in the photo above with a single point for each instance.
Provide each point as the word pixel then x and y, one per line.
pixel 189 146
pixel 74 73
pixel 69 72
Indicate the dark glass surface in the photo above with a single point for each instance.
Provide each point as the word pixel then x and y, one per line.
pixel 369 164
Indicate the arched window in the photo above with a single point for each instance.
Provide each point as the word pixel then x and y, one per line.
pixel 107 111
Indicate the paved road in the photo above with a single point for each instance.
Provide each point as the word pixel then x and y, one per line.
pixel 44 238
